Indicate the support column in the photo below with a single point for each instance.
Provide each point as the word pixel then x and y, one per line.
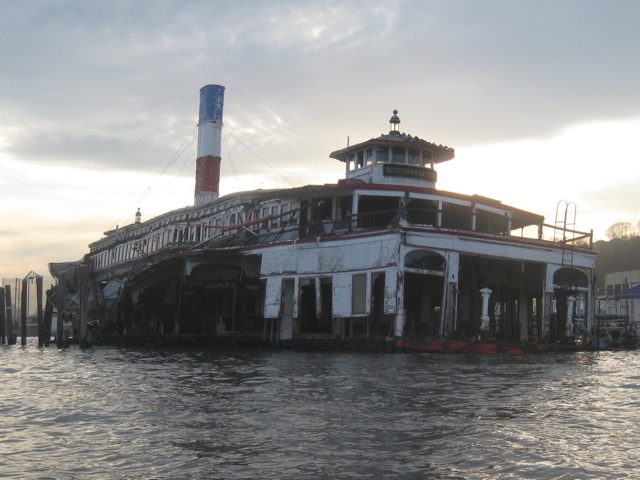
pixel 400 319
pixel 176 311
pixel 353 221
pixel 484 318
pixel 547 303
pixel 571 301
pixel 524 314
pixel 450 294
pixel 590 309
pixel 547 311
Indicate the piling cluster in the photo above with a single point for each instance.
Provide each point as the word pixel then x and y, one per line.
pixel 10 330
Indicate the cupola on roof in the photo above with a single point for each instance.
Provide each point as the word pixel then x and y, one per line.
pixel 394 158
pixel 438 153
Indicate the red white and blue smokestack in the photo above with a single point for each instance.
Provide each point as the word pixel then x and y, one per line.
pixel 209 144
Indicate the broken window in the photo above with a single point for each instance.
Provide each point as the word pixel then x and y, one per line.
pixel 376 211
pixel 456 216
pixel 275 212
pixel 488 222
pixel 359 294
pixel 421 212
pixel 252 300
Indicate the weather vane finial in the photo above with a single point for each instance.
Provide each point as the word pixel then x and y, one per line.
pixel 394 123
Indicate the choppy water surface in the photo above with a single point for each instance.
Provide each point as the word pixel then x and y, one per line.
pixel 118 413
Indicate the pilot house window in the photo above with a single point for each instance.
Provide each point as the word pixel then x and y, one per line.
pixel 414 156
pixel 368 157
pixel 398 155
pixel 382 155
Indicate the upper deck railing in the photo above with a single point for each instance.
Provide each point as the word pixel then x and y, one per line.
pixel 295 223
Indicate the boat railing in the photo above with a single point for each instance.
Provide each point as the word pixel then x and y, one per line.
pixel 256 232
pixel 565 236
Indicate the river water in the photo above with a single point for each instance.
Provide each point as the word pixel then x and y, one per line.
pixel 113 413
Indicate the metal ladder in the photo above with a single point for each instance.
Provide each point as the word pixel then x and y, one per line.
pixel 563 222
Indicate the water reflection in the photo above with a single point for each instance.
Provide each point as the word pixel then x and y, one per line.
pixel 115 413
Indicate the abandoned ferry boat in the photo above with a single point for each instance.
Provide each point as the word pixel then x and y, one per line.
pixel 379 258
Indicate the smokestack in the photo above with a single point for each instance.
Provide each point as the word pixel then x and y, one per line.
pixel 209 148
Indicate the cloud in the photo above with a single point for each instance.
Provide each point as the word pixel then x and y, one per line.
pixel 589 164
pixel 100 99
pixel 528 67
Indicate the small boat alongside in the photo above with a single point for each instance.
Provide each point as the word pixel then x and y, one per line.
pixel 381 259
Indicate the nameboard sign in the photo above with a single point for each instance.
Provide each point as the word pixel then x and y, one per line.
pixel 391 170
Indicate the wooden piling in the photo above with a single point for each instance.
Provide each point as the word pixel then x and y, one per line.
pixel 40 313
pixel 23 312
pixel 48 321
pixel 11 339
pixel 62 287
pixel 3 319
pixel 84 298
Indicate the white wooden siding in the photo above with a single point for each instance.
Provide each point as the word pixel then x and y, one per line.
pixel 272 297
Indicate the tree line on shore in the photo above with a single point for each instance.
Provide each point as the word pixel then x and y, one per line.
pixel 620 253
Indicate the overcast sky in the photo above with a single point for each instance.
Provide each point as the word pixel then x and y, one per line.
pixel 99 104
